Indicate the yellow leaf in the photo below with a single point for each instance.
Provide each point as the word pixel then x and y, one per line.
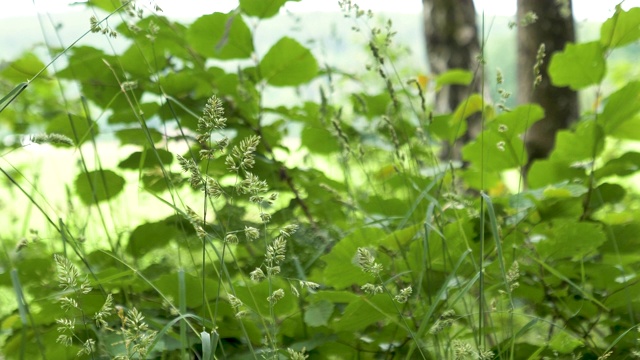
pixel 470 106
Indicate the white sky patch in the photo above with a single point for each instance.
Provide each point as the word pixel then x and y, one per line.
pixel 597 10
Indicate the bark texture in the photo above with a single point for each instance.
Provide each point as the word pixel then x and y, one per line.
pixel 451 36
pixel 553 28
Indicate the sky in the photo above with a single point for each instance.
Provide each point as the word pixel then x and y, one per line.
pixel 596 10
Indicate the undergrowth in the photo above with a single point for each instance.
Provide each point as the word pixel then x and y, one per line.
pixel 310 226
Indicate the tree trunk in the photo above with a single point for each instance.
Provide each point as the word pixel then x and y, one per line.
pixel 451 35
pixel 554 28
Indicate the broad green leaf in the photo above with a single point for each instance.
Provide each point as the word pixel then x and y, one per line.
pixel 319 140
pixel 564 343
pixel 625 165
pixel 562 239
pixel 371 105
pixel 578 65
pixel 136 136
pixel 529 198
pixel 288 63
pixel 168 286
pixel 454 77
pixel 76 128
pixel 341 269
pixel 400 238
pixel 466 108
pixel 255 297
pixel 126 115
pixel 146 159
pixel 582 144
pixel 319 313
pixel 150 236
pixel 621 106
pixel 261 8
pixel 364 312
pixel 106 5
pixel 547 172
pixel 606 194
pixel 221 36
pixel 387 207
pixel 518 120
pixel 336 297
pixel 451 127
pixel 92 68
pixel 621 29
pixel 98 185
pixel 444 128
pixel 500 153
pixel 627 130
pixel 22 69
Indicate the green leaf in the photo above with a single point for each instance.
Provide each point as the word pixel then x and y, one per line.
pixel 564 239
pixel 146 159
pixel 454 77
pixel 138 136
pixel 364 312
pixel 400 238
pixel 621 29
pixel 126 116
pixel 221 36
pixel 627 130
pixel 106 5
pixel 288 63
pixel 168 285
pixel 564 343
pixel 261 8
pixel 451 127
pixel 319 140
pixel 625 165
pixel 341 270
pixel 547 172
pixel 621 106
pixel 584 143
pixel 606 194
pixel 98 185
pixel 22 69
pixel 371 105
pixel 518 120
pixel 76 128
pixel 500 153
pixel 578 65
pixel 319 313
pixel 150 236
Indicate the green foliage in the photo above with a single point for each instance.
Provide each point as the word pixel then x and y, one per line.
pixel 324 227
